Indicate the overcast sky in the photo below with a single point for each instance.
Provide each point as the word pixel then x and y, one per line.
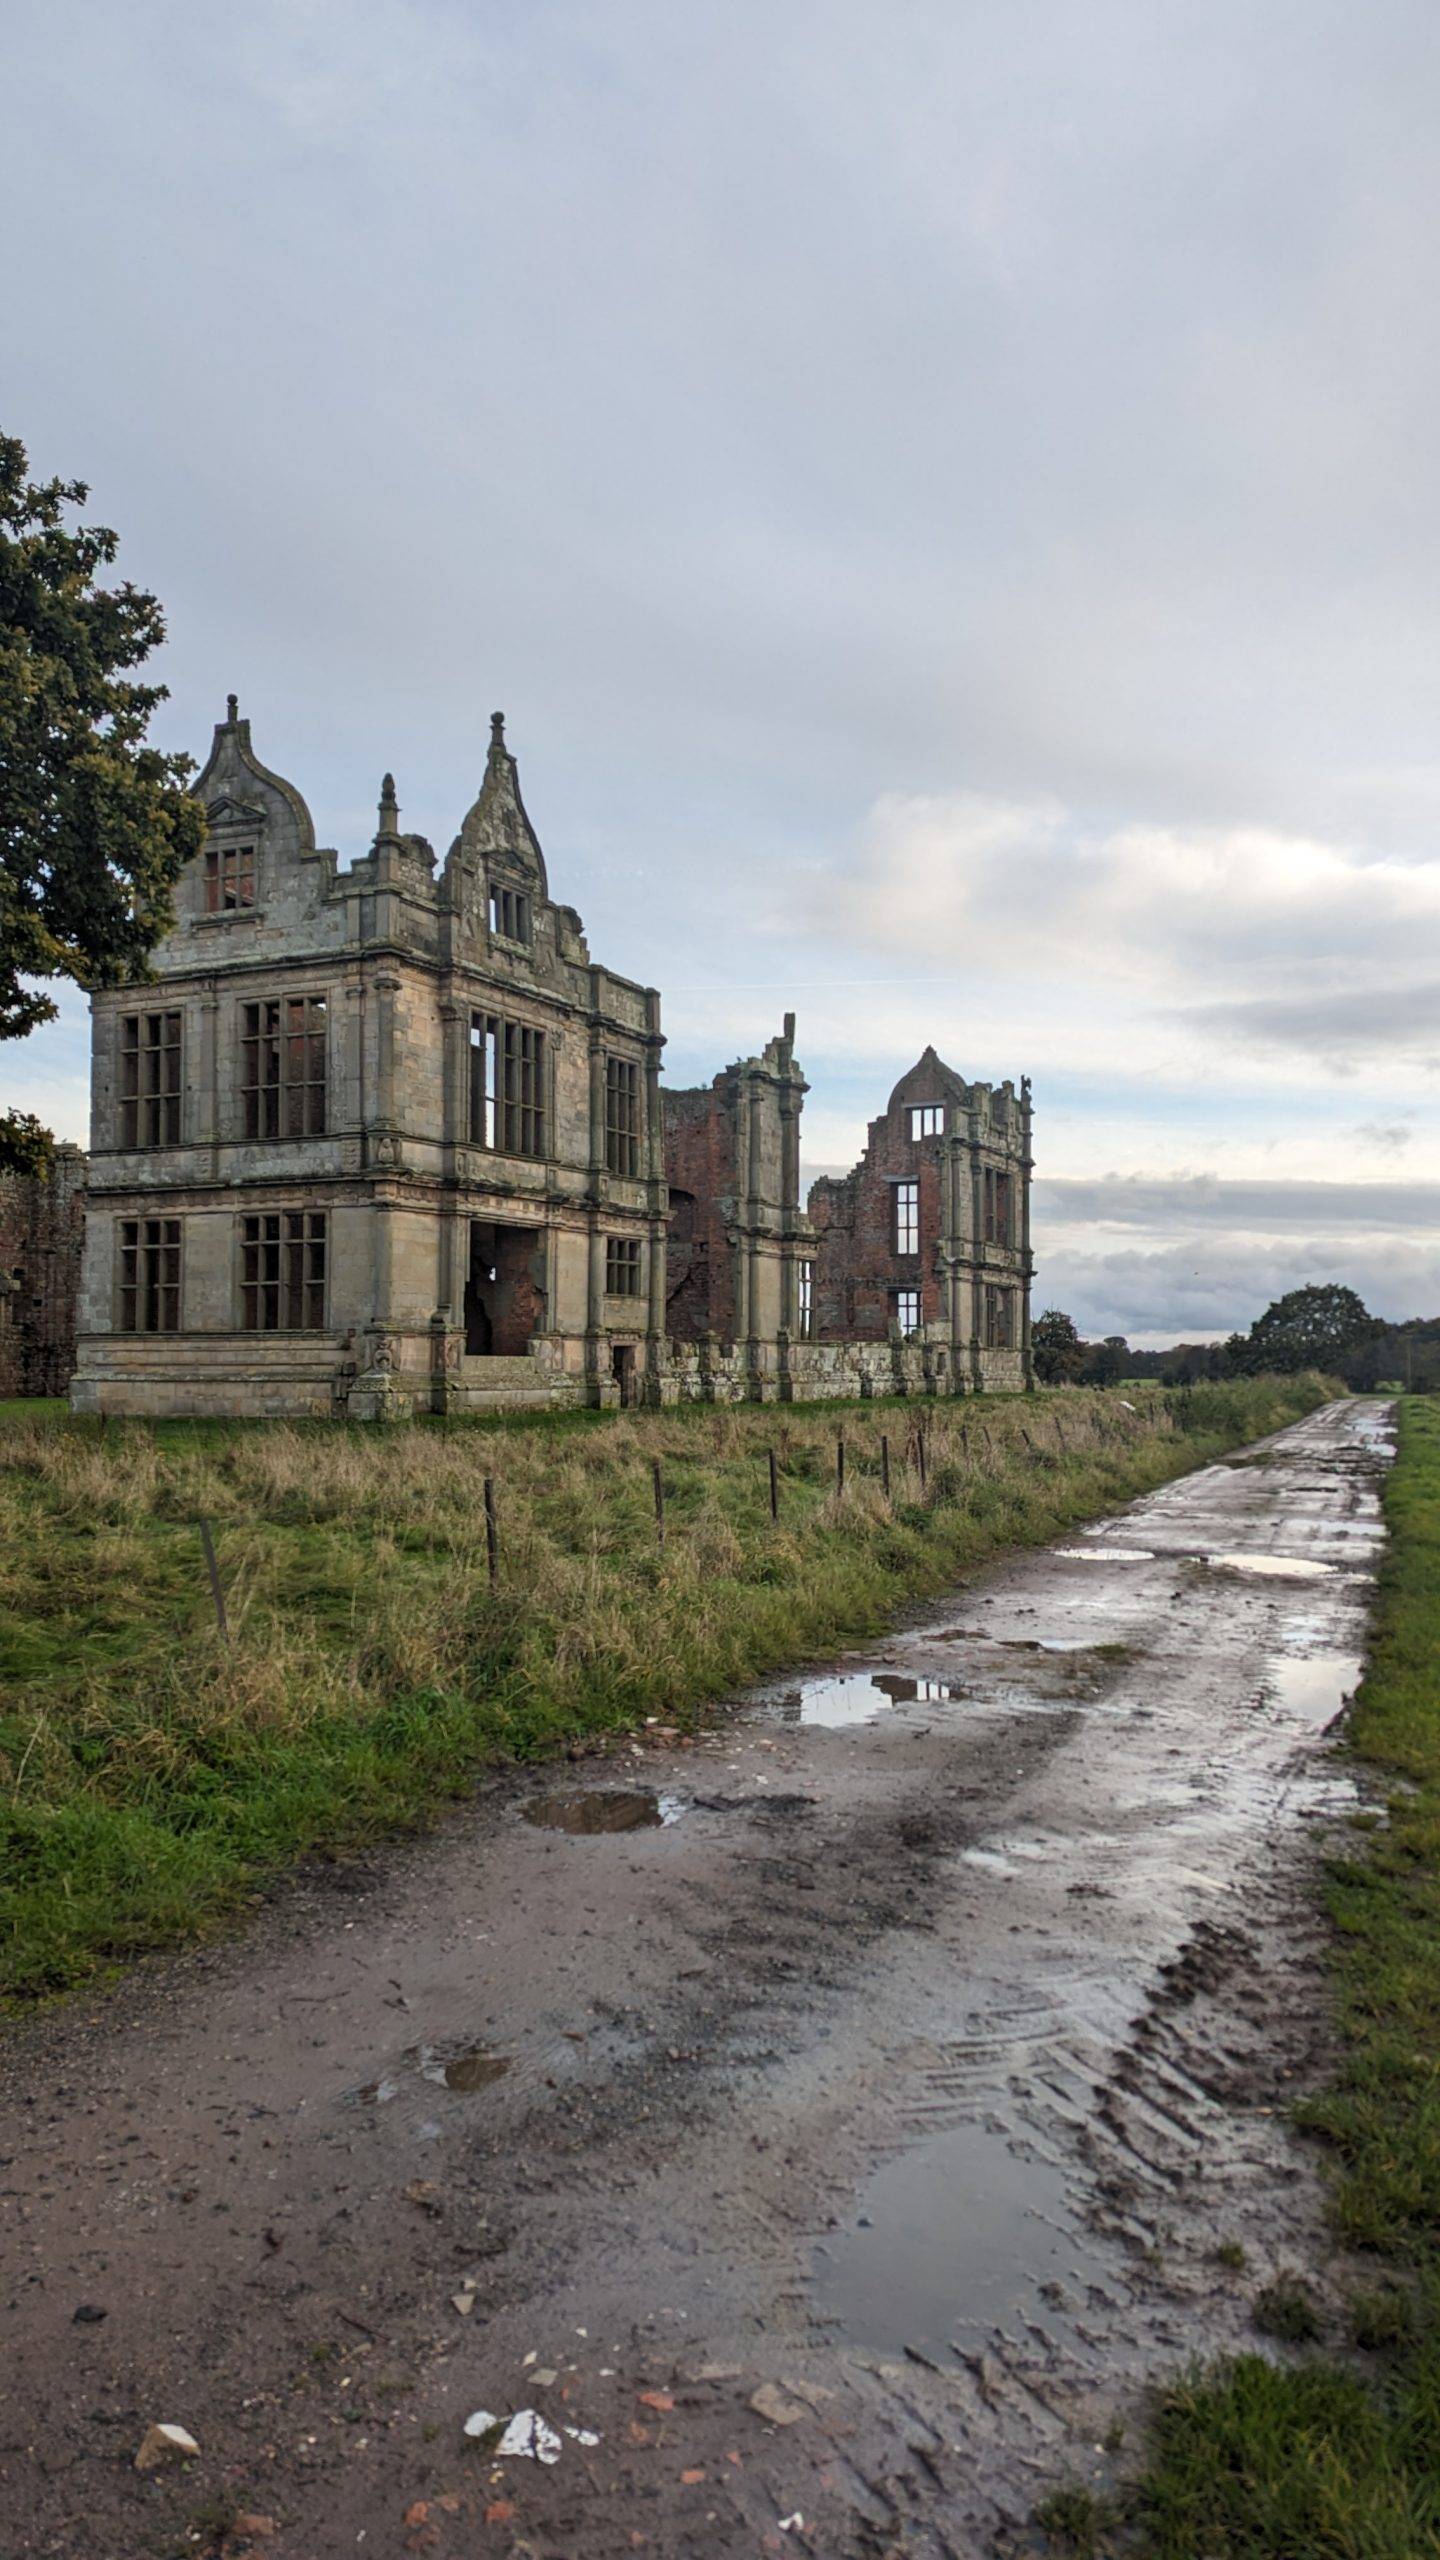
pixel 946 496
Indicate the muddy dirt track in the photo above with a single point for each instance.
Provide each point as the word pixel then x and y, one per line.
pixel 903 2066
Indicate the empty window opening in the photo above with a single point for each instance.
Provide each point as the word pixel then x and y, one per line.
pixel 622 1267
pixel 504 1290
pixel 282 1271
pixel 149 1275
pixel 282 1067
pixel 623 1370
pixel 907 1217
pixel 507 1086
pixel 622 1116
pixel 510 915
pixel 805 1300
pixel 999 1206
pixel 907 1310
pixel 150 1051
pixel 229 878
pixel 927 1119
pixel 999 1319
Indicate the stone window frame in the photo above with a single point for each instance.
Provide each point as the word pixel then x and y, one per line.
pixel 999 1205
pixel 908 1299
pixel 622 1116
pixel 149 1275
pixel 999 1317
pixel 805 1297
pixel 624 1275
pixel 511 1082
pixel 927 1120
pixel 232 876
pixel 511 914
pixel 286 1097
pixel 150 1079
pixel 296 1282
pixel 905 1215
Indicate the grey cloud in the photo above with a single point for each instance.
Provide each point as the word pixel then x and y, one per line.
pixel 1218 1285
pixel 1339 1029
pixel 1203 1201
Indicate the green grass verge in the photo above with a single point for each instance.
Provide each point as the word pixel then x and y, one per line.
pixel 1337 2457
pixel 150 1772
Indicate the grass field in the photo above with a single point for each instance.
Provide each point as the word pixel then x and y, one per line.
pixel 151 1771
pixel 1338 2457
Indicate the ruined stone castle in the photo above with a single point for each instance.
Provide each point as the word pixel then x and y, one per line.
pixel 388 1140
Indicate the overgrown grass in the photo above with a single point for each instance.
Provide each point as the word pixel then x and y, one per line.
pixel 150 1772
pixel 1321 2459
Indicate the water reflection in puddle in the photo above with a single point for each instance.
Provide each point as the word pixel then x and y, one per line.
pixel 603 1809
pixel 956 2238
pixel 1274 1568
pixel 857 1697
pixel 1316 1689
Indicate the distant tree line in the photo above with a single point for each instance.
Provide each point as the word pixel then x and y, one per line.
pixel 1323 1326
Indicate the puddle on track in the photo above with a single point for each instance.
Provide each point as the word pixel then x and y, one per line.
pixel 1271 1568
pixel 603 1809
pixel 955 2239
pixel 471 2070
pixel 1106 1555
pixel 857 1697
pixel 1316 1689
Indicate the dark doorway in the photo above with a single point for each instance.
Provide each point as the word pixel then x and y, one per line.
pixel 504 1289
pixel 622 1362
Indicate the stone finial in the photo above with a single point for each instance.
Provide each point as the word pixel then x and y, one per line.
pixel 389 806
pixel 788 1033
pixel 232 709
pixel 497 733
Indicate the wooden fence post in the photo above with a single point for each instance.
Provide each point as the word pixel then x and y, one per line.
pixel 920 1455
pixel 885 1464
pixel 216 1593
pixel 492 1533
pixel 659 1482
pixel 774 1486
pixel 839 1462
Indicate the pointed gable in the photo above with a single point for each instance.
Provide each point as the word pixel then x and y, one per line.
pixel 496 831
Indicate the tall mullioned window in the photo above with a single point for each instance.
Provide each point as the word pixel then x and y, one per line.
pixel 907 1310
pixel 622 1267
pixel 229 878
pixel 150 1067
pixel 510 915
pixel 149 1275
pixel 999 1319
pixel 927 1119
pixel 507 1086
pixel 999 1206
pixel 805 1300
pixel 282 1271
pixel 282 1067
pixel 907 1217
pixel 622 1116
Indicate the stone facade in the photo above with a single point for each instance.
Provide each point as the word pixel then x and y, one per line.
pixel 42 1228
pixel 927 1240
pixel 738 1240
pixel 376 1141
pixel 386 1140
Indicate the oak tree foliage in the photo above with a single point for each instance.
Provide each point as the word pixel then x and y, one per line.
pixel 95 824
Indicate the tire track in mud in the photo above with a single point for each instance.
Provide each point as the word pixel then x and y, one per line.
pixel 915 2072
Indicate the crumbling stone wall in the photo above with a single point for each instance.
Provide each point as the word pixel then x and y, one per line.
pixel 42 1233
pixel 737 1234
pixel 957 1275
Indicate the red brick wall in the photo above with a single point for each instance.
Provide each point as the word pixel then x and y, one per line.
pixel 700 1168
pixel 857 1270
pixel 42 1231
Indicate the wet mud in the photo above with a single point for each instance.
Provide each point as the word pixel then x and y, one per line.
pixel 827 2170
